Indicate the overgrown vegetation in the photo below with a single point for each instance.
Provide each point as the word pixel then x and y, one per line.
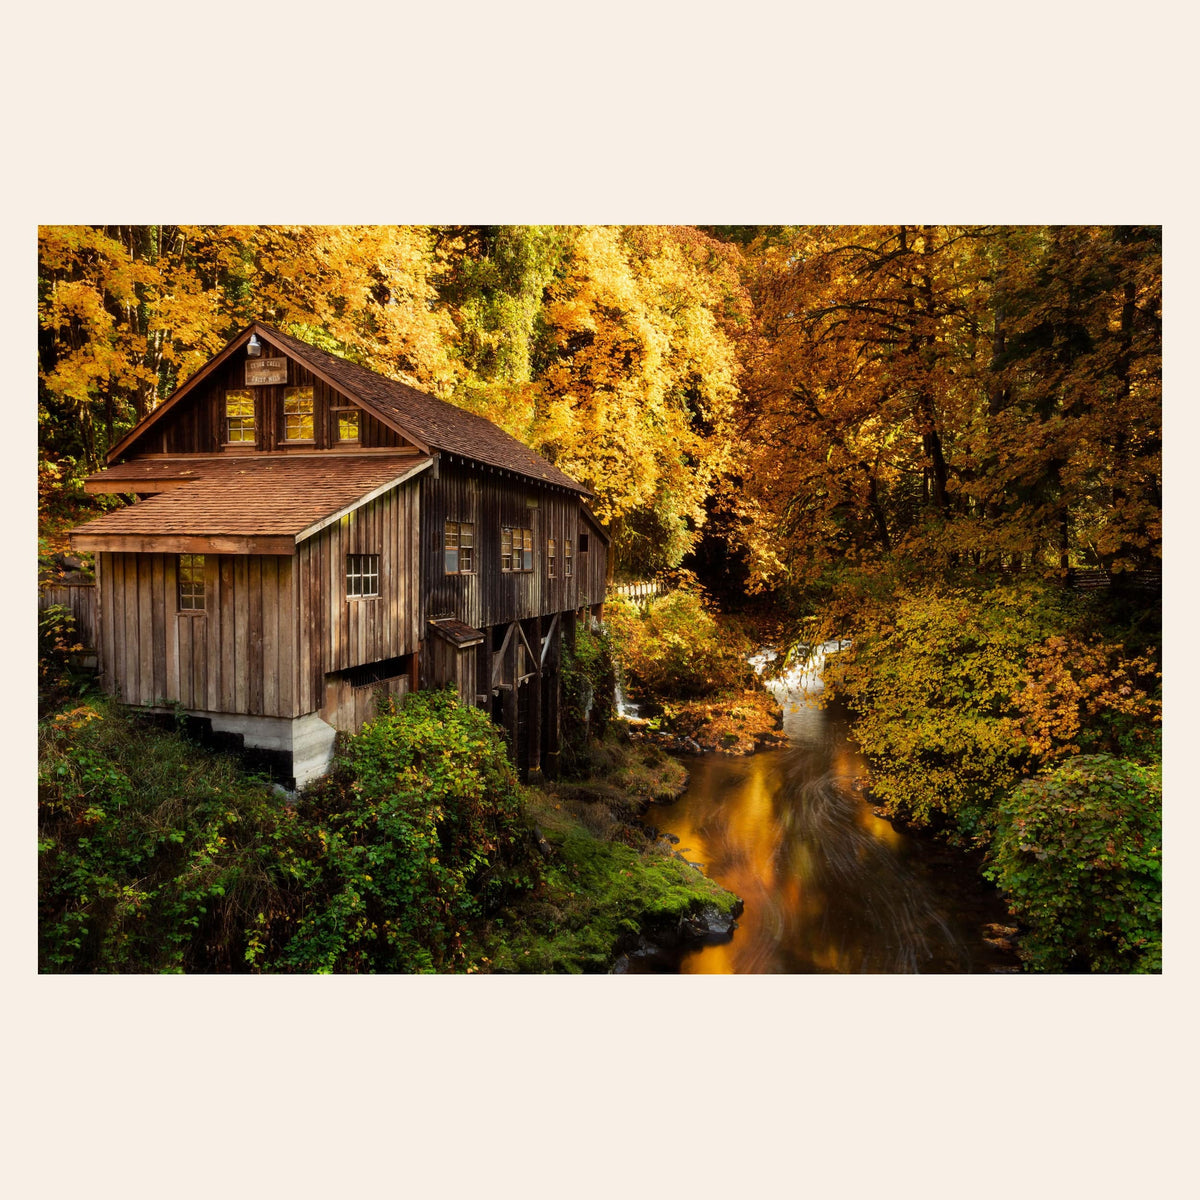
pixel 984 707
pixel 419 852
pixel 672 648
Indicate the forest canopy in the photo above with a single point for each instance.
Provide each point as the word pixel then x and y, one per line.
pixel 803 397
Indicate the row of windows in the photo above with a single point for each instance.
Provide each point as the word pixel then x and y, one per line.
pixel 516 550
pixel 362 579
pixel 297 417
pixel 362 570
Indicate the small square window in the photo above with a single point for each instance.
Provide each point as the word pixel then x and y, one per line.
pixel 239 416
pixel 583 543
pixel 362 574
pixel 190 572
pixel 298 414
pixel 347 425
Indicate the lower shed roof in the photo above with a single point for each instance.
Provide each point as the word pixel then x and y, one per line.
pixel 241 506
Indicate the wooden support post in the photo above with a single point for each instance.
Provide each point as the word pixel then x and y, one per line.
pixel 534 732
pixel 508 677
pixel 553 717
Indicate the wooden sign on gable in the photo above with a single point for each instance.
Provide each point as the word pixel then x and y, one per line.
pixel 263 371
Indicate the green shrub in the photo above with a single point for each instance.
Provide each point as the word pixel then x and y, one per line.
pixel 1079 854
pixel 588 689
pixel 960 692
pixel 155 855
pixel 421 829
pixel 673 648
pixel 150 851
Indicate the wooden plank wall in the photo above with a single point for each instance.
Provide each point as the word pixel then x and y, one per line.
pixel 347 708
pixel 238 656
pixel 340 631
pixel 197 426
pixel 491 500
pixel 80 598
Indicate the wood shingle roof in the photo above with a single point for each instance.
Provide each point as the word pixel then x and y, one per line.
pixel 252 497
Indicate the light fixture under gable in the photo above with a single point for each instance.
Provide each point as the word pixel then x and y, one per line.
pixel 253 347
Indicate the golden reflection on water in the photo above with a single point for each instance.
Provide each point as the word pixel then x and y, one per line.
pixel 791 833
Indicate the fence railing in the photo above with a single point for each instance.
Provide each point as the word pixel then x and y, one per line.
pixel 640 590
pixel 80 598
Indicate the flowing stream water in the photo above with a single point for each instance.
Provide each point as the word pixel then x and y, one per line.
pixel 828 886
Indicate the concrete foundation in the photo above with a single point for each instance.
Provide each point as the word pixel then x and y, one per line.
pixel 307 739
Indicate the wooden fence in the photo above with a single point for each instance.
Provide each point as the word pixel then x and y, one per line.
pixel 80 598
pixel 641 590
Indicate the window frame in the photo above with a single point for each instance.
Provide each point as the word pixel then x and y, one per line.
pixel 551 549
pixel 361 568
pixel 243 394
pixel 311 414
pixel 519 554
pixel 568 560
pixel 346 410
pixel 187 567
pixel 464 547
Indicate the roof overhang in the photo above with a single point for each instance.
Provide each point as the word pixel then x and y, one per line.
pixel 175 543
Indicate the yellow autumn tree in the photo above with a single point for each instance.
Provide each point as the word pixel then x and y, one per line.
pixel 639 393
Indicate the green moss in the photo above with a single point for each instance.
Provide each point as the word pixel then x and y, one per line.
pixel 596 897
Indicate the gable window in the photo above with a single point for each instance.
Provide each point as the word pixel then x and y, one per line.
pixel 516 549
pixel 239 416
pixel 298 414
pixel 568 561
pixel 190 573
pixel 347 424
pixel 460 548
pixel 362 574
pixel 551 549
pixel 583 543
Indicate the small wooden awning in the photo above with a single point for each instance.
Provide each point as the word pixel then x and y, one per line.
pixel 457 633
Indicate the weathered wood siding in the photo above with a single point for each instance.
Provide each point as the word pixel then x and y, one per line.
pixel 592 567
pixel 197 425
pixel 338 631
pixel 490 500
pixel 239 655
pixel 80 598
pixel 347 707
pixel 446 663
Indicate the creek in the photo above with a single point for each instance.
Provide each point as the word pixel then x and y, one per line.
pixel 829 887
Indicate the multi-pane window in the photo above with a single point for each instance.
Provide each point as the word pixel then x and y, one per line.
pixel 568 561
pixel 551 551
pixel 516 549
pixel 362 574
pixel 298 414
pixel 190 573
pixel 347 425
pixel 239 416
pixel 460 548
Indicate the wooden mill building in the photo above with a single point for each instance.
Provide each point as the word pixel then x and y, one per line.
pixel 308 532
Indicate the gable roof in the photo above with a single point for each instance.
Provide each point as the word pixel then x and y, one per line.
pixel 433 424
pixel 268 499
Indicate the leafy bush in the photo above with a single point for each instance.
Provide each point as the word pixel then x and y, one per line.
pixel 421 829
pixel 673 648
pixel 1079 854
pixel 59 674
pixel 961 692
pixel 588 689
pixel 150 851
pixel 155 855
